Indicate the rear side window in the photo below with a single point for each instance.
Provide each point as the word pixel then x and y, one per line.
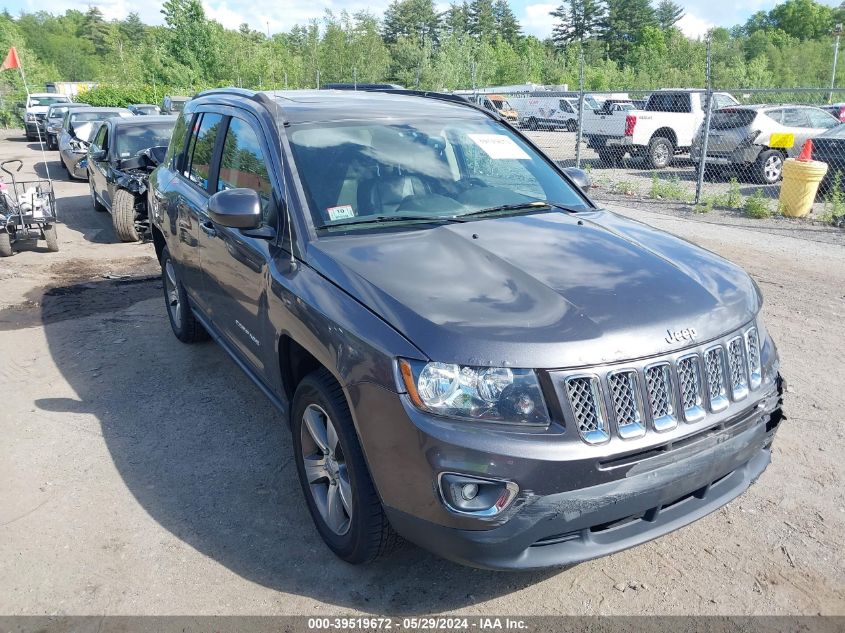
pixel 243 165
pixel 732 119
pixel 795 117
pixel 201 148
pixel 670 102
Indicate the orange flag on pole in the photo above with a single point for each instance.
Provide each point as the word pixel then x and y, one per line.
pixel 12 60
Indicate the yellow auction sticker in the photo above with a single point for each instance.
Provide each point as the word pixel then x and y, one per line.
pixel 783 140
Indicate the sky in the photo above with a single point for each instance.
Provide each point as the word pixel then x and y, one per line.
pixel 700 16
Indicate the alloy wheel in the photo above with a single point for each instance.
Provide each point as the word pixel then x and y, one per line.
pixel 772 168
pixel 173 304
pixel 325 469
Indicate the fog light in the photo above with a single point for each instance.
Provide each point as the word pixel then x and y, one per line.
pixel 476 496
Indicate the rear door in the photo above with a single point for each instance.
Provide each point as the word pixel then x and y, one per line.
pixel 234 262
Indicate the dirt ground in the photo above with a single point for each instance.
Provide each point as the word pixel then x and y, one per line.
pixel 142 476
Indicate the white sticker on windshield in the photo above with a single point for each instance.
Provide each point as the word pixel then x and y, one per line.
pixel 342 212
pixel 499 146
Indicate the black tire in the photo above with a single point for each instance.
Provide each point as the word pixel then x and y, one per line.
pixel 572 125
pixel 768 168
pixel 660 152
pixel 51 238
pixel 714 172
pixel 51 143
pixel 532 124
pixel 5 244
pixel 185 325
pixel 98 206
pixel 369 534
pixel 123 216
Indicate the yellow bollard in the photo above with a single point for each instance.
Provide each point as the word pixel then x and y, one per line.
pixel 800 183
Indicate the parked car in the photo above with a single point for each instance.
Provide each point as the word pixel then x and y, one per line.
pixel 829 147
pixel 470 352
pixel 495 103
pixel 55 117
pixel 35 113
pixel 667 126
pixel 78 129
pixel 836 109
pixel 549 113
pixel 144 109
pixel 756 139
pixel 172 104
pixel 121 156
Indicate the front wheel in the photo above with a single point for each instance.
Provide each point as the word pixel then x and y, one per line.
pixel 123 216
pixel 341 497
pixel 660 152
pixel 5 244
pixel 769 167
pixel 185 325
pixel 532 125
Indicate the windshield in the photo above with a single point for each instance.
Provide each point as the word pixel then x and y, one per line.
pixel 134 139
pixel 437 169
pixel 146 109
pixel 501 104
pixel 45 101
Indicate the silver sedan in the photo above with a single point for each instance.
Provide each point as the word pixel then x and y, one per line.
pixel 77 128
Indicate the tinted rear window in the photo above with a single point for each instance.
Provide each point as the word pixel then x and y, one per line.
pixel 670 102
pixel 732 119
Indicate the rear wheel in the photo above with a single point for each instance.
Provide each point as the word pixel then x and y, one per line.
pixel 51 238
pixel 123 216
pixel 769 167
pixel 532 124
pixel 338 489
pixel 571 125
pixel 5 244
pixel 185 325
pixel 660 152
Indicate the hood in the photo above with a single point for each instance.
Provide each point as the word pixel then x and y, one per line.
pixel 547 290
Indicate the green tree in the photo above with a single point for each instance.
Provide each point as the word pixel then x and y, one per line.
pixel 456 19
pixel 802 19
pixel 668 13
pixel 409 18
pixel 577 21
pixel 507 26
pixel 95 30
pixel 482 19
pixel 623 23
pixel 132 28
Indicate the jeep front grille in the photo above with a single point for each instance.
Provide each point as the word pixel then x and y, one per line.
pixel 736 363
pixel 658 394
pixel 585 399
pixel 689 377
pixel 627 408
pixel 661 397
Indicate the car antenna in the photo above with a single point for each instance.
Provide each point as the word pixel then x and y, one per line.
pixel 286 201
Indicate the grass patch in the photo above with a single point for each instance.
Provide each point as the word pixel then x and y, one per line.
pixel 834 202
pixel 732 199
pixel 667 189
pixel 757 206
pixel 624 188
pixel 705 206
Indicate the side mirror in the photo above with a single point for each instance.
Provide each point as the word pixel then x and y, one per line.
pixel 579 177
pixel 98 155
pixel 235 208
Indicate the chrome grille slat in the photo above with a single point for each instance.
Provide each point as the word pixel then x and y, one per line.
pixel 752 351
pixel 658 380
pixel 714 369
pixel 737 365
pixel 689 379
pixel 627 407
pixel 585 399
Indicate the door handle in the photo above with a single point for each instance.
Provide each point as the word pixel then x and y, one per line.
pixel 208 229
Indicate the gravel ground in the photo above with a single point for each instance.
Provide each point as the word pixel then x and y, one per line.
pixel 142 476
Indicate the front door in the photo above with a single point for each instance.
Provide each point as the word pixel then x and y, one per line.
pixel 234 263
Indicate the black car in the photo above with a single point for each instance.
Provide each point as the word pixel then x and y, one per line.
pixel 469 352
pixel 121 156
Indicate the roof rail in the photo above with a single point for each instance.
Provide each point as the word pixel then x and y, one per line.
pixel 443 96
pixel 232 90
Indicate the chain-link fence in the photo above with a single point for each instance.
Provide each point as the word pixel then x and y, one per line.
pixel 649 145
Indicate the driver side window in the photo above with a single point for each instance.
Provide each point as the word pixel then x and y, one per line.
pixel 102 138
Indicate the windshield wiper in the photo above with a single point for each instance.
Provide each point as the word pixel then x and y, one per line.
pixel 382 219
pixel 521 206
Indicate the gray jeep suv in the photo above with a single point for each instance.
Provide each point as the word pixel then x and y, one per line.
pixel 470 353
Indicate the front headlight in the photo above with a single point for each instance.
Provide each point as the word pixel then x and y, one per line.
pixel 489 394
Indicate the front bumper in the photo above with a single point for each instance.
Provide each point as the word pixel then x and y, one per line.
pixel 572 505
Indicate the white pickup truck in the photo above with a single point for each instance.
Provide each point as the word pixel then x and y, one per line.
pixel 666 126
